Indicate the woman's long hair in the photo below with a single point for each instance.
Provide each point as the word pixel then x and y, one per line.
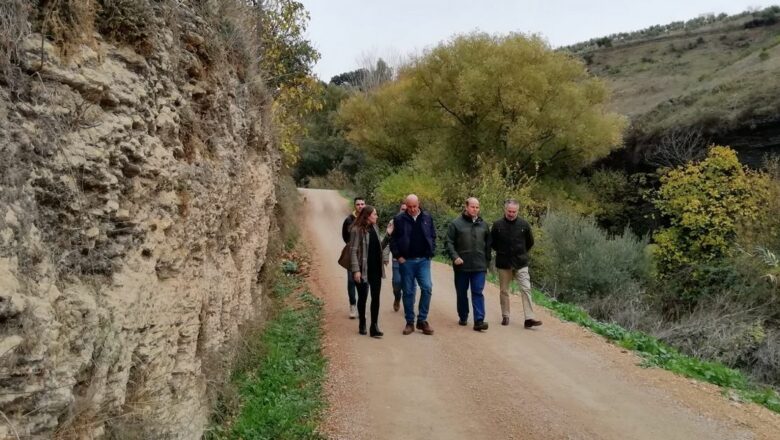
pixel 361 222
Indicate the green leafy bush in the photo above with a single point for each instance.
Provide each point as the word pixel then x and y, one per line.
pixel 493 184
pixel 398 185
pixel 369 177
pixel 582 261
pixel 705 203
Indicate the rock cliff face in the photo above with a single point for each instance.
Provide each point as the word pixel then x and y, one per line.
pixel 136 200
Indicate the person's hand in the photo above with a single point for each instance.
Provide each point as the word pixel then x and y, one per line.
pixel 356 276
pixel 390 228
pixel 401 260
pixel 458 261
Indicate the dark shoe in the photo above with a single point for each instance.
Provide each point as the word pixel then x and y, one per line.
pixel 462 322
pixel 374 331
pixel 409 329
pixel 505 320
pixel 480 325
pixel 531 323
pixel 396 305
pixel 425 327
pixel 362 327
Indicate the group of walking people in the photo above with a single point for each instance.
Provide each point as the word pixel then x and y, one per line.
pixel 410 238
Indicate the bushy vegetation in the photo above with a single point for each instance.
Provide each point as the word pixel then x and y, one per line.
pixel 581 261
pixel 705 203
pixel 720 306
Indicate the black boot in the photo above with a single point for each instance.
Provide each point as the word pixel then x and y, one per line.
pixel 362 326
pixel 375 333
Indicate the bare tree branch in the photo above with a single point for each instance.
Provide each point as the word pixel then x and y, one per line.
pixel 677 147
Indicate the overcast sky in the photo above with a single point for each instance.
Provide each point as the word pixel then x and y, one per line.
pixel 346 32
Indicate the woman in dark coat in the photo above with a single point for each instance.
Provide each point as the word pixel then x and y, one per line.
pixel 367 265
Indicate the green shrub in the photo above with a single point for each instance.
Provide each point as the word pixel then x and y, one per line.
pixel 705 203
pixel 765 231
pixel 566 194
pixel 371 174
pixel 582 261
pixel 604 42
pixel 493 184
pixel 398 185
pixel 678 294
pixel 614 193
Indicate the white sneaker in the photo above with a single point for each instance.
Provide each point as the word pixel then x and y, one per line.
pixel 352 311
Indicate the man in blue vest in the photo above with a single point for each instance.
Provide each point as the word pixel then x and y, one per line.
pixel 413 244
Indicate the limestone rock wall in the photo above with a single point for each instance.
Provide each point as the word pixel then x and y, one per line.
pixel 136 200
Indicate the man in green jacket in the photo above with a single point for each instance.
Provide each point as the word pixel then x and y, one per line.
pixel 468 245
pixel 511 238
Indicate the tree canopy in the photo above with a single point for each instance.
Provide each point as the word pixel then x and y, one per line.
pixel 509 98
pixel 287 60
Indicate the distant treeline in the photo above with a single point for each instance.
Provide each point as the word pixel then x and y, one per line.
pixel 764 17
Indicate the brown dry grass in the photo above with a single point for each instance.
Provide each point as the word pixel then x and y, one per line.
pixel 710 75
pixel 14 16
pixel 68 22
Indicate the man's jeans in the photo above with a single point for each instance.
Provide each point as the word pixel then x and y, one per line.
pixel 477 282
pixel 416 271
pixel 398 285
pixel 351 289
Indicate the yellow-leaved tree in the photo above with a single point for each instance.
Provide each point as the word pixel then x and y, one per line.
pixel 705 203
pixel 287 60
pixel 505 98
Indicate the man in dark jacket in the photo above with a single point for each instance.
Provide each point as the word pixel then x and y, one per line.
pixel 511 238
pixel 360 202
pixel 413 244
pixel 468 245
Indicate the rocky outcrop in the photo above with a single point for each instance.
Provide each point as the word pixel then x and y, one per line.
pixel 136 200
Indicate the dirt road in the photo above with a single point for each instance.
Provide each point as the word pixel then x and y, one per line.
pixel 555 382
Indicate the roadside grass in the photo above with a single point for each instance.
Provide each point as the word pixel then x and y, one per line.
pixel 279 377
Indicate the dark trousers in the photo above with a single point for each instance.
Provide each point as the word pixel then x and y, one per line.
pixel 350 288
pixel 477 282
pixel 398 283
pixel 375 285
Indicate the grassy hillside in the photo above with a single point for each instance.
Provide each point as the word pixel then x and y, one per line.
pixel 720 74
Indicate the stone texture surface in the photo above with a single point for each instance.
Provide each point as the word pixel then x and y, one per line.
pixel 136 199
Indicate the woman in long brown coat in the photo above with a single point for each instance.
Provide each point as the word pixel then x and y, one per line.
pixel 367 265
